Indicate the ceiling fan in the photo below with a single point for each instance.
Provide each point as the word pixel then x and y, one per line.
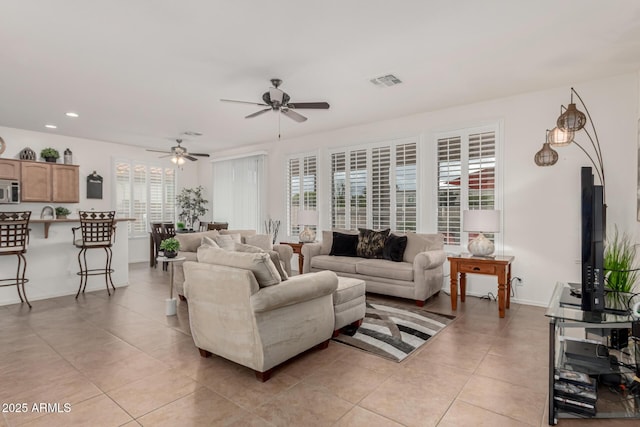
pixel 178 153
pixel 277 100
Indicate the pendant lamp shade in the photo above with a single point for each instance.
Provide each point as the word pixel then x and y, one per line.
pixel 547 156
pixel 560 137
pixel 572 119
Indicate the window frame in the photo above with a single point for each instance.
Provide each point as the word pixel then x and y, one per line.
pixel 293 229
pixel 132 233
pixel 368 148
pixel 464 133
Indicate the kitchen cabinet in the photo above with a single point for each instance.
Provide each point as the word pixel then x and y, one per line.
pixel 50 182
pixel 9 169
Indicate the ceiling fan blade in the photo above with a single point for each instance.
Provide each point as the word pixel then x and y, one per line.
pixel 168 155
pixel 318 105
pixel 293 115
pixel 158 151
pixel 199 154
pixel 193 159
pixel 244 102
pixel 257 113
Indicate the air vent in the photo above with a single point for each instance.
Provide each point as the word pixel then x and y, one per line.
pixel 192 133
pixel 385 81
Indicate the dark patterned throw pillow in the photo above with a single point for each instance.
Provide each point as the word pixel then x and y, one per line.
pixel 371 242
pixel 344 244
pixel 394 248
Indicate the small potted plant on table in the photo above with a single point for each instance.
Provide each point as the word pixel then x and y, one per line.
pixel 50 155
pixel 170 247
pixel 62 212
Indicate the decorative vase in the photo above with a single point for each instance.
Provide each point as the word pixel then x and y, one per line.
pixel 61 217
pixel 50 159
pixel 170 254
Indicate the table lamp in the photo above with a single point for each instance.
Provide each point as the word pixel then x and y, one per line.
pixel 481 221
pixel 307 218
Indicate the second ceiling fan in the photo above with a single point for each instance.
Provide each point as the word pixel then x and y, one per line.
pixel 277 100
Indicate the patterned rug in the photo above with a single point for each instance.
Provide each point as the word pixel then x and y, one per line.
pixel 392 332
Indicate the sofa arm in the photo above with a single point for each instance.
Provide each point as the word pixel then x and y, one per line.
pixel 295 290
pixel 309 250
pixel 429 259
pixel 285 252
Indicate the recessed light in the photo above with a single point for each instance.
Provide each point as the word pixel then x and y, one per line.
pixel 72 114
pixel 51 126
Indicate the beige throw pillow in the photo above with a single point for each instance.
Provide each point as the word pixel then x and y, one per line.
pixel 275 257
pixel 208 241
pixel 227 241
pixel 415 245
pixel 189 242
pixel 259 263
pixel 263 241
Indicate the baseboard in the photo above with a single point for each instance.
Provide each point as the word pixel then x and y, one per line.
pixel 447 291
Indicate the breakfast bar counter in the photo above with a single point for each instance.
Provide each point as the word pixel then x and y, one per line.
pixel 52 262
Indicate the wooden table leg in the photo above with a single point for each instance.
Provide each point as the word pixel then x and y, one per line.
pixel 463 286
pixel 502 285
pixel 152 257
pixel 300 261
pixel 454 288
pixel 509 286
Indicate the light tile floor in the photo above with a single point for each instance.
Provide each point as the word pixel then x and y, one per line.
pixel 120 361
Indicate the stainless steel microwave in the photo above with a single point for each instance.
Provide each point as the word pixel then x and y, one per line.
pixel 9 191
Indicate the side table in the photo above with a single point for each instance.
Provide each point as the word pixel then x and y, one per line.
pixel 171 303
pixel 297 249
pixel 499 266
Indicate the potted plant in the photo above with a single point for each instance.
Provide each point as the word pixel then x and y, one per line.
pixel 180 225
pixel 192 205
pixel 50 155
pixel 170 247
pixel 619 267
pixel 62 212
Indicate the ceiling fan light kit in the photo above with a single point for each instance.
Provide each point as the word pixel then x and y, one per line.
pixel 178 153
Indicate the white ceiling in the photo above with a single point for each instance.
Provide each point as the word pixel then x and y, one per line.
pixel 142 72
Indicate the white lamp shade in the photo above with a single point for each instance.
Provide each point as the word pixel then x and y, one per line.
pixel 308 218
pixel 477 221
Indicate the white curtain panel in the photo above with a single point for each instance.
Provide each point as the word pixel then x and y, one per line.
pixel 238 193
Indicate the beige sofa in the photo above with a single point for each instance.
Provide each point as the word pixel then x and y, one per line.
pixel 417 277
pixel 232 316
pixel 189 243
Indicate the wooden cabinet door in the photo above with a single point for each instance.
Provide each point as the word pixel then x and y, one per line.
pixel 9 169
pixel 36 182
pixel 66 183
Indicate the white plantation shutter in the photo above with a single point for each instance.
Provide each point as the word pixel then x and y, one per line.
pixel 381 188
pixel 302 177
pixel 466 180
pixel 139 192
pixel 406 188
pixel 358 187
pixel 145 192
pixel 293 195
pixel 375 187
pixel 123 191
pixel 338 190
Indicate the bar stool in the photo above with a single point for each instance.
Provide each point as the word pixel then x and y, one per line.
pixel 14 238
pixel 218 226
pixel 203 226
pixel 97 232
pixel 157 234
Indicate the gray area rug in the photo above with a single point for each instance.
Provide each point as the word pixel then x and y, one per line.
pixel 394 332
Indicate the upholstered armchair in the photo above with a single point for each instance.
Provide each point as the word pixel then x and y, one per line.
pixel 232 316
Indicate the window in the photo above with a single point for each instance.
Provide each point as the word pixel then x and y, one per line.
pixel 301 189
pixel 146 192
pixel 466 179
pixel 375 187
pixel 238 192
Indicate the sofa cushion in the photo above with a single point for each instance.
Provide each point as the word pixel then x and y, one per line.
pixel 340 264
pixel 227 241
pixel 327 239
pixel 385 269
pixel 415 245
pixel 344 244
pixel 275 257
pixel 209 242
pixel 259 263
pixel 371 242
pixel 394 248
pixel 189 242
pixel 243 234
pixel 263 241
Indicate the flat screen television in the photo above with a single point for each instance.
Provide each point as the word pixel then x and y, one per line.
pixel 593 228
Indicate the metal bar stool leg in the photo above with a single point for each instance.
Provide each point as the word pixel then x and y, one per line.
pixel 86 269
pixel 109 270
pixel 81 273
pixel 22 278
pixel 18 277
